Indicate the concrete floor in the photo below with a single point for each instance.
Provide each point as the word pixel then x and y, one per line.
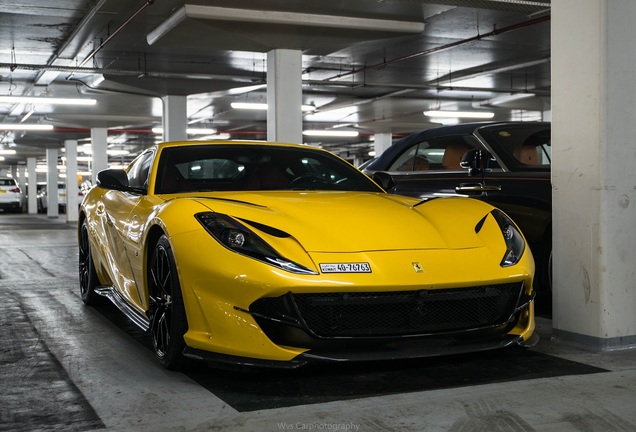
pixel 67 367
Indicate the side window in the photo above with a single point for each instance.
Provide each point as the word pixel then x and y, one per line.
pixel 413 159
pixel 139 169
pixel 444 153
pixel 534 151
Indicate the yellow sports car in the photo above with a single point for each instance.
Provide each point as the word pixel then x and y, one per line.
pixel 277 255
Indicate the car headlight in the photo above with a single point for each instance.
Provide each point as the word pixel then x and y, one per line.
pixel 240 239
pixel 515 244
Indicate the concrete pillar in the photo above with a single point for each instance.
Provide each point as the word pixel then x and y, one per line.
pixel 51 183
pixel 99 143
pixel 22 182
pixel 593 159
pixel 175 118
pixel 72 186
pixel 32 204
pixel 382 142
pixel 284 96
pixel 546 115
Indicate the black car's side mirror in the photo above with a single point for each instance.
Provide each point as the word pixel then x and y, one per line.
pixel 384 179
pixel 474 161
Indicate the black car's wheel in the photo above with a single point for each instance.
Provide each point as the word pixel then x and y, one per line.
pixel 87 273
pixel 168 321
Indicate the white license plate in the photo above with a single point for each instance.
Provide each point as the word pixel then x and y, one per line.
pixel 360 267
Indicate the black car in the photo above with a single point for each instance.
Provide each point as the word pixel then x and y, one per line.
pixel 506 164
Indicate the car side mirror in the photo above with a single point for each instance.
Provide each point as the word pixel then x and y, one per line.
pixel 474 161
pixel 114 179
pixel 384 179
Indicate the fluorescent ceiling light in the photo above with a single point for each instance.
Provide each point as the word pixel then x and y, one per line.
pixel 263 106
pixel 221 136
pixel 7 152
pixel 200 131
pixel 79 159
pixel 25 127
pixel 460 114
pixel 87 149
pixel 45 168
pixel 249 105
pixel 116 152
pixel 214 13
pixel 331 133
pixel 35 100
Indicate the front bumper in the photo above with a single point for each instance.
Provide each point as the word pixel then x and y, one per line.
pixel 358 327
pixel 10 205
pixel 401 350
pixel 239 312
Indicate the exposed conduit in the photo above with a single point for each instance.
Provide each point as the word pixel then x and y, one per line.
pixel 120 28
pixel 495 32
pixel 129 72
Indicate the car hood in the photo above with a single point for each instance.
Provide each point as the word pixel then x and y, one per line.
pixel 354 222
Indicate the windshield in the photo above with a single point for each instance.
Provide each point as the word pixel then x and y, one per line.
pixel 254 167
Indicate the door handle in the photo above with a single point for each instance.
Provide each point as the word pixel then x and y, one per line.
pixel 476 188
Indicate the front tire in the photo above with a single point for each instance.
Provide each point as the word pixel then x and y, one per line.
pixel 87 273
pixel 168 321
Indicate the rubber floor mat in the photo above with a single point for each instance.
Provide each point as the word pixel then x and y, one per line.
pixel 259 389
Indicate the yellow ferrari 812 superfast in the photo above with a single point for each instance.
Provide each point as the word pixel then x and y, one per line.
pixel 278 255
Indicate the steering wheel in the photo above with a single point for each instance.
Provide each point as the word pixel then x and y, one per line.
pixel 308 181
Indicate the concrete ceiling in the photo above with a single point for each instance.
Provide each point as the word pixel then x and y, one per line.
pixel 370 65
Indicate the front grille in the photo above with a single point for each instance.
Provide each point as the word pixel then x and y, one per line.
pixel 387 314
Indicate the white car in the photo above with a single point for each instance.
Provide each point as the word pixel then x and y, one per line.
pixel 11 197
pixel 43 198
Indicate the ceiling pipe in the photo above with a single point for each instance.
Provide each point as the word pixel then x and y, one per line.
pixel 56 56
pixel 129 72
pixel 82 24
pixel 120 28
pixel 478 37
pixel 252 79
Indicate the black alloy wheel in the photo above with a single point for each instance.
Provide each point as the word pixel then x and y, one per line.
pixel 87 273
pixel 168 321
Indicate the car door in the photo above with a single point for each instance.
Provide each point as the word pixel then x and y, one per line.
pixel 122 224
pixel 431 168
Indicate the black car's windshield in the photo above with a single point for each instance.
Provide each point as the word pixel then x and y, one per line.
pixel 216 167
pixel 524 146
